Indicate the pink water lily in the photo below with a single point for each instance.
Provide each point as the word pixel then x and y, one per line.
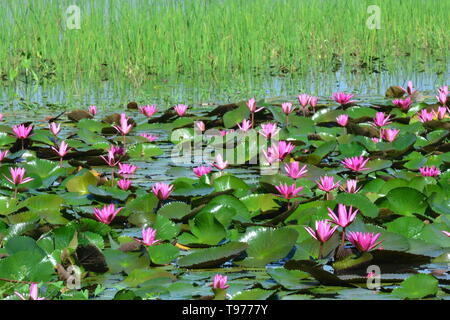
pixel 127 169
pixel 381 119
pixel 446 233
pixel 251 105
pixel 313 102
pixel 429 171
pixel 181 109
pixel 148 136
pixel 344 217
pixel 409 89
pixel 284 148
pixel 425 116
pixel 375 139
pixel 293 170
pixel 342 120
pixel 124 128
pixel 34 293
pixel 201 170
pixel 124 184
pixel 148 110
pixel 3 154
pixel 303 99
pixel 269 130
pixel 22 132
pixel 323 231
pixel 162 190
pixel 271 154
pixel 289 192
pixel 17 175
pixel 287 108
pixel 61 151
pixel 350 186
pixel 111 160
pixel 93 110
pixel 327 184
pixel 356 163
pixel 403 104
pixel 440 113
pixel 200 125
pixel 220 282
pixel 246 125
pixel 54 127
pixel 442 95
pixel 220 164
pixel 364 241
pixel 343 98
pixel 148 237
pixel 223 133
pixel 389 134
pixel 107 214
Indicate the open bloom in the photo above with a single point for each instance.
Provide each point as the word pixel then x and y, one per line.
pixel 54 127
pixel 350 186
pixel 289 192
pixel 364 241
pixel 345 217
pixel 124 184
pixel 343 98
pixel 429 171
pixel 425 116
pixel 251 105
pixel 148 136
pixel 220 164
pixel 355 163
pixel 409 89
pixel 220 282
pixel 93 110
pixel 127 169
pixel 442 95
pixel 201 170
pixel 440 113
pixel 111 160
pixel 148 111
pixel 62 150
pixel 21 131
pixel 284 148
pixel 313 102
pixel 403 104
pixel 34 293
pixel 162 190
pixel 293 170
pixel 327 184
pixel 269 130
pixel 200 125
pixel 124 127
pixel 181 109
pixel 342 120
pixel 148 237
pixel 381 120
pixel 303 99
pixel 271 154
pixel 3 154
pixel 246 125
pixel 107 213
pixel 287 108
pixel 389 134
pixel 323 231
pixel 17 175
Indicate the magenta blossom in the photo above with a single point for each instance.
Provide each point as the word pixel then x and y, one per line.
pixel 364 241
pixel 287 108
pixel 446 233
pixel 220 282
pixel 201 170
pixel 148 111
pixel 62 150
pixel 409 90
pixel 289 192
pixel 107 213
pixel 181 109
pixel 440 113
pixel 342 120
pixel 149 137
pixel 251 105
pixel 355 163
pixel 21 131
pixel 220 164
pixel 327 183
pixel 124 184
pixel 345 217
pixel 303 99
pixel 162 190
pixel 350 186
pixel 389 134
pixel 93 110
pixel 17 175
pixel 381 120
pixel 284 148
pixel 124 127
pixel 269 130
pixel 127 169
pixel 200 125
pixel 293 170
pixel 376 140
pixel 403 104
pixel 313 102
pixel 148 237
pixel 429 171
pixel 54 127
pixel 246 125
pixel 3 154
pixel 425 116
pixel 34 293
pixel 223 133
pixel 111 161
pixel 271 155
pixel 442 95
pixel 323 231
pixel 343 98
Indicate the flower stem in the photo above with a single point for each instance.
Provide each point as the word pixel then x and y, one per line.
pixel 321 250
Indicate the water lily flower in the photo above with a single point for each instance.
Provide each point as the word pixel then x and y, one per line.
pixel 289 192
pixel 287 108
pixel 343 98
pixel 284 148
pixel 342 120
pixel 148 111
pixel 162 190
pixel 246 125
pixel 403 104
pixel 107 213
pixel 54 127
pixel 251 105
pixel 313 102
pixel 3 154
pixel 124 127
pixel 93 110
pixel 200 125
pixel 148 237
pixel 116 150
pixel 364 241
pixel 345 217
pixel 327 183
pixel 381 120
pixel 446 233
pixel 409 90
pixel 124 184
pixel 443 89
pixel 350 186
pixel 220 164
pixel 303 99
pixel 269 130
pixel 22 132
pixel 201 170
pixel 323 231
pixel 1 116
pixel 355 163
pixel 389 134
pixel 271 155
pixel 149 137
pixel 181 109
pixel 293 170
pixel 223 133
pixel 111 160
pixel 425 116
pixel 376 140
pixel 127 169
pixel 429 171
pixel 61 151
pixel 17 175
pixel 440 113
pixel 220 282
pixel 34 293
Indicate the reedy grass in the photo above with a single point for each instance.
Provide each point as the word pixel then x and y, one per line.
pixel 212 38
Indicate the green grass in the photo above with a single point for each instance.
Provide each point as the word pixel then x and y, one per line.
pixel 211 38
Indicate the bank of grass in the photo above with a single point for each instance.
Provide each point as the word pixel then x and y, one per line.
pixel 142 38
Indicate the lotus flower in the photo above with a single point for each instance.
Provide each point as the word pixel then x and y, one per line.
pixel 124 127
pixel 200 125
pixel 271 155
pixel 389 134
pixel 350 186
pixel 201 170
pixel 303 99
pixel 148 111
pixel 284 148
pixel 220 282
pixel 21 131
pixel 220 164
pixel 93 110
pixel 403 104
pixel 3 154
pixel 327 184
pixel 293 171
pixel 117 151
pixel 110 161
pixel 269 130
pixel 223 133
pixel 246 125
pixel 381 120
pixel 148 237
pixel 124 184
pixel 149 137
pixel 344 218
pixel 443 89
pixel 107 213
pixel 343 98
pixel 127 169
pixel 323 231
pixel 17 175
pixel 364 241
pixel 34 292
pixel 429 171
pixel 287 108
pixel 289 192
pixel 409 90
pixel 162 190
pixel 425 116
pixel 342 120
pixel 442 95
pixel 313 102
pixel 355 163
pixel 440 113
pixel 446 233
pixel 181 109
pixel 251 105
pixel 62 150
pixel 54 127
